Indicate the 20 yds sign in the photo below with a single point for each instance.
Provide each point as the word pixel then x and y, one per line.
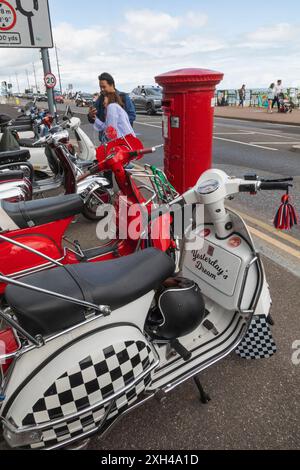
pixel 50 80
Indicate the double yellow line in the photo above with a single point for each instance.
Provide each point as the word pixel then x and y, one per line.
pixel 276 243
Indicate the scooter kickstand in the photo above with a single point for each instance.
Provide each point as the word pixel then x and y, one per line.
pixel 204 397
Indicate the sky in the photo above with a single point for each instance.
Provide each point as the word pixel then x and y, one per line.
pixel 253 42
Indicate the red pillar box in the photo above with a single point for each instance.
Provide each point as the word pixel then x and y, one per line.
pixel 188 114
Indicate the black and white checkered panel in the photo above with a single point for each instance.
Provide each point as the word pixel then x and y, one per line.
pixel 92 381
pixel 89 422
pixel 258 342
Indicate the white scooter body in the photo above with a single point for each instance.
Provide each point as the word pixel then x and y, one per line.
pixel 109 364
pixel 86 149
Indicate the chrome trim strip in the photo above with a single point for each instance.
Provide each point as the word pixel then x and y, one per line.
pixel 209 363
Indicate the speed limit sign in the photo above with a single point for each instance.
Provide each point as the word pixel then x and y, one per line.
pixel 50 80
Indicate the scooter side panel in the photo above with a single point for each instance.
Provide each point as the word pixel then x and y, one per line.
pixel 133 313
pixel 79 384
pixel 47 239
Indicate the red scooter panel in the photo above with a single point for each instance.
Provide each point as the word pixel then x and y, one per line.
pixel 47 239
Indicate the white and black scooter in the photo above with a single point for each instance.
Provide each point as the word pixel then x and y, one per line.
pixel 95 341
pixel 83 148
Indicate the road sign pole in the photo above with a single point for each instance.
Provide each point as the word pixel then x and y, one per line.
pixel 50 91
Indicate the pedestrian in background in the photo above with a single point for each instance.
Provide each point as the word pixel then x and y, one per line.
pixel 107 85
pixel 278 91
pixel 242 95
pixel 271 96
pixel 116 119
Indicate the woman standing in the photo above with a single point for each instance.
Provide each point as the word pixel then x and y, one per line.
pixel 271 97
pixel 116 126
pixel 116 123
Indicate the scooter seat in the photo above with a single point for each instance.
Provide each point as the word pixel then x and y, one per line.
pixel 115 283
pixel 11 175
pixel 30 143
pixel 5 119
pixel 42 211
pixel 14 156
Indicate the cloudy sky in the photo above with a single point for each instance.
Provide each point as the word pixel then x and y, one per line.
pixel 252 42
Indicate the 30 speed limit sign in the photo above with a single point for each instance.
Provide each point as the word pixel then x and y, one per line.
pixel 50 80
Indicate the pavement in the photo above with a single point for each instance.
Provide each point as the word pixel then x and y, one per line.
pixel 258 114
pixel 255 405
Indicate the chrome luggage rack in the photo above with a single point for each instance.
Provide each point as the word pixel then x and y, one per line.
pixel 162 190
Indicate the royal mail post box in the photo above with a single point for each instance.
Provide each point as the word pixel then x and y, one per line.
pixel 188 113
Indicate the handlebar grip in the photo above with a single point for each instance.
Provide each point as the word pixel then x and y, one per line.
pixel 138 153
pixel 275 186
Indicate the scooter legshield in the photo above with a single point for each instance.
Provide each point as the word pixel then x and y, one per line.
pixel 83 385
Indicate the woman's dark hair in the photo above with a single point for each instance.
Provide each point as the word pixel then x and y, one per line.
pixel 108 78
pixel 272 85
pixel 114 98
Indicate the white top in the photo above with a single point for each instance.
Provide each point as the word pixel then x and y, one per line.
pixel 117 118
pixel 271 93
pixel 278 89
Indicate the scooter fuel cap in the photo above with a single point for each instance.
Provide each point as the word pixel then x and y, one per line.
pixel 208 187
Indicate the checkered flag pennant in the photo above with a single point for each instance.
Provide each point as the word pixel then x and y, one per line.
pixel 258 342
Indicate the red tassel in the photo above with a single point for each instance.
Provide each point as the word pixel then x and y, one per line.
pixel 286 216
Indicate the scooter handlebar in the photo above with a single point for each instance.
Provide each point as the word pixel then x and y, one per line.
pixel 140 153
pixel 274 186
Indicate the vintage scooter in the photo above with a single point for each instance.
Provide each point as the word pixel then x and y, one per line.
pixel 14 186
pixel 32 233
pixel 65 169
pixel 23 123
pixel 86 344
pixel 83 149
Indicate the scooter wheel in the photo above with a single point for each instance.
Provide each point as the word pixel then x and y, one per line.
pixel 96 200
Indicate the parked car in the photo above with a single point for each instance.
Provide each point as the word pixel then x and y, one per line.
pixel 40 98
pixel 85 99
pixel 59 99
pixel 147 98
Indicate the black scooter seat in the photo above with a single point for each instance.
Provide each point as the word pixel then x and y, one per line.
pixel 30 143
pixel 11 175
pixel 14 156
pixel 5 119
pixel 43 211
pixel 115 283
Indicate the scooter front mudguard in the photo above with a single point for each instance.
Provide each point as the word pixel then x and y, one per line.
pixel 84 384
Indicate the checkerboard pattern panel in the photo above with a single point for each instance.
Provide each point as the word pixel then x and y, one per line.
pixel 258 342
pixel 93 380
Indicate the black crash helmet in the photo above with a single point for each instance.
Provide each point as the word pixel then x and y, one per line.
pixel 180 310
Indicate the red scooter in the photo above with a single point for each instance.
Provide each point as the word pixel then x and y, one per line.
pixel 33 232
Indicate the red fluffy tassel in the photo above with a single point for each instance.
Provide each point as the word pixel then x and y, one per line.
pixel 286 216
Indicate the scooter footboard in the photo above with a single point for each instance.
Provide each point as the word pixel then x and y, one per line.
pixel 81 387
